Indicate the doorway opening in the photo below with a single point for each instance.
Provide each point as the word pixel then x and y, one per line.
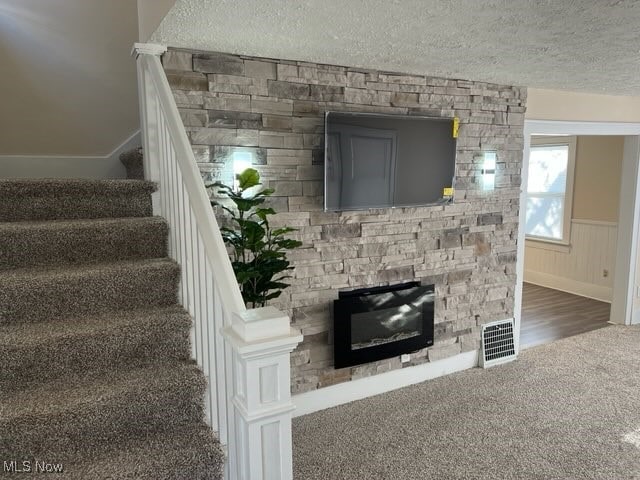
pixel 577 243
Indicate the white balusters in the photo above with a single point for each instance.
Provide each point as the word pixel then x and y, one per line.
pixel 208 288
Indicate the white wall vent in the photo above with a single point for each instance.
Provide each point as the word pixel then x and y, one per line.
pixel 498 343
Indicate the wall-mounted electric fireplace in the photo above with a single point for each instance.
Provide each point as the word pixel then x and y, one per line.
pixel 381 322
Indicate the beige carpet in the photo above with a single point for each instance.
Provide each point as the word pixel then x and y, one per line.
pixel 566 410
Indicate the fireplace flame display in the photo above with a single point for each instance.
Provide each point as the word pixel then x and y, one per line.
pixel 382 322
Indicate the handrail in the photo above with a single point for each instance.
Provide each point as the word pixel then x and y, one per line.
pixel 212 239
pixel 208 287
pixel 239 350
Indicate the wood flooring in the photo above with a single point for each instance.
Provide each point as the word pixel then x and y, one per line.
pixel 548 315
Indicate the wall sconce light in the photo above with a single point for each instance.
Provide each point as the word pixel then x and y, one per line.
pixel 489 170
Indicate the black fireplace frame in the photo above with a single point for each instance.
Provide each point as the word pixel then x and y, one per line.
pixel 350 302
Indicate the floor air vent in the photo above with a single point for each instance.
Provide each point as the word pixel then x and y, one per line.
pixel 498 345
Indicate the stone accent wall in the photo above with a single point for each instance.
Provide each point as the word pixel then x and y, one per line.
pixel 274 109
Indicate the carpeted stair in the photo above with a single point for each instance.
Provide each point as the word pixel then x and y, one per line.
pixel 95 368
pixel 133 163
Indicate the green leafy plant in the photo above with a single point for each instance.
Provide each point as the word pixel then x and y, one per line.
pixel 259 251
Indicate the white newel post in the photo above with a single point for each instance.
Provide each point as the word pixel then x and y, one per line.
pixel 261 340
pixel 149 119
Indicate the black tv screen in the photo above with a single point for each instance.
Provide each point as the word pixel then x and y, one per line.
pixel 378 161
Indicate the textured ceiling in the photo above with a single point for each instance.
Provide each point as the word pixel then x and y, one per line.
pixel 582 45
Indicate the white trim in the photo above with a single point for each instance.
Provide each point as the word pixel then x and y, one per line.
pixel 624 281
pixel 208 288
pixel 600 223
pixel 130 143
pixel 266 346
pixel 553 127
pixel 346 392
pixel 213 244
pixel 147 49
pixel 63 166
pixel 567 197
pixel 568 285
pixel 543 244
pixel 132 140
pixel 257 324
pixel 261 395
pixel 534 242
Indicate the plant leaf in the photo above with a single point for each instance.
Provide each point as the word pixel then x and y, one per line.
pixel 248 178
pixel 263 212
pixel 281 231
pixel 288 243
pixel 253 233
pixel 252 192
pixel 266 192
pixel 246 204
pixel 259 267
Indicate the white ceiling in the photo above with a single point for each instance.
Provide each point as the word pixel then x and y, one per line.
pixel 580 45
pixel 68 84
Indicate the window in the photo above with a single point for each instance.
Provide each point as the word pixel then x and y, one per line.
pixel 550 189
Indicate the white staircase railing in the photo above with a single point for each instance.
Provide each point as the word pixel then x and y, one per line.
pixel 227 340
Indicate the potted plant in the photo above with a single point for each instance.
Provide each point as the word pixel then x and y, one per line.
pixel 259 252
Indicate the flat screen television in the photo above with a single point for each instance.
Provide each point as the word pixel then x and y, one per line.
pixel 379 161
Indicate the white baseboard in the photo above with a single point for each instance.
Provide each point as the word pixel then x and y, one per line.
pixel 346 392
pixel 589 290
pixel 68 166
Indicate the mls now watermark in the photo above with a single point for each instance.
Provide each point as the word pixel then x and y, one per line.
pixel 28 466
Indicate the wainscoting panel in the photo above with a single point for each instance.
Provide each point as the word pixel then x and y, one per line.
pixel 579 268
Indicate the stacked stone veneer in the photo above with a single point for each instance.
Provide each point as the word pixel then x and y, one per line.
pixel 274 109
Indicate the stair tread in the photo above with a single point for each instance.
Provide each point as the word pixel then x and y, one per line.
pixel 103 341
pixel 27 244
pixel 133 161
pixel 43 187
pixel 25 335
pixel 55 292
pixel 28 273
pixel 94 349
pixel 94 388
pixel 191 453
pixel 76 223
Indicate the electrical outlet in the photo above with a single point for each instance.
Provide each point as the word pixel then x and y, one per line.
pixel 605 273
pixel 405 357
